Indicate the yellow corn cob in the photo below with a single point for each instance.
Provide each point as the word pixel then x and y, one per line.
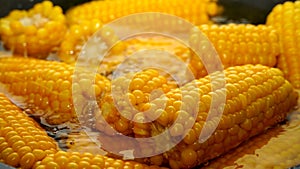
pixel 33 33
pixel 285 19
pixel 140 87
pixel 197 12
pixel 256 97
pixel 46 86
pixel 78 35
pixel 63 159
pixel 238 44
pixel 277 148
pixel 22 141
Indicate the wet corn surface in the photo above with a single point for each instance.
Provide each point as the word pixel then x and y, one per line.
pixel 276 146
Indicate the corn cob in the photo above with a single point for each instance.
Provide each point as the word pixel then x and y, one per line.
pixel 78 35
pixel 197 12
pixel 285 19
pixel 238 44
pixel 46 87
pixel 277 148
pixel 86 160
pixel 34 33
pixel 22 141
pixel 256 97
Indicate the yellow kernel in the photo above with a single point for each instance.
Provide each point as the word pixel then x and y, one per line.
pixel 42 33
pixel 30 30
pixel 64 95
pixel 39 154
pixel 121 125
pixel 74 158
pixel 65 85
pixel 137 83
pixel 72 165
pixel 163 118
pixel 87 155
pixel 97 90
pixel 171 112
pixel 243 100
pixel 6 152
pixel 156 160
pixel 234 130
pixel 45 145
pixel 28 138
pixel 50 84
pixel 55 105
pixel 190 137
pixel 2 139
pixel 38 166
pixel 17 145
pixel 83 164
pixel 177 105
pixel 94 167
pixel 52 165
pixel 10 134
pixel 131 98
pixel 16 27
pixel 247 125
pixel 138 166
pixel 146 89
pixel 99 161
pixel 14 139
pixel 139 96
pixel 47 159
pixel 118 164
pixel 65 106
pixel 140 131
pixel 27 160
pixel 177 129
pixel 24 150
pixel 189 157
pixel 225 122
pixel 45 103
pixel 51 151
pixel 269 114
pixel 5 130
pixel 145 107
pixel 13 159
